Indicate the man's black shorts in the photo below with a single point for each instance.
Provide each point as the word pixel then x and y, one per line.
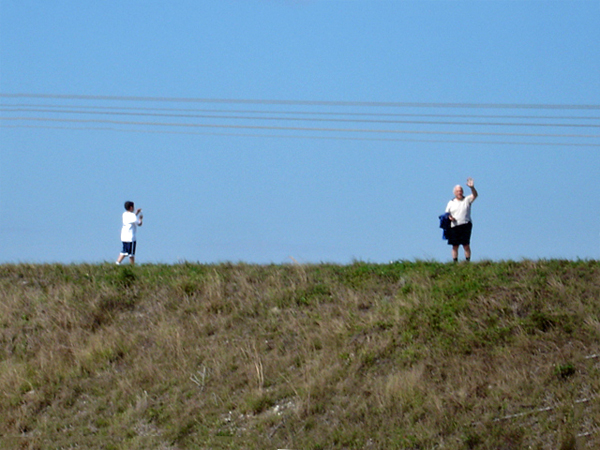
pixel 460 235
pixel 128 249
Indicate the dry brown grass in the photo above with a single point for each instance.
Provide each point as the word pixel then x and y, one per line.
pixel 409 355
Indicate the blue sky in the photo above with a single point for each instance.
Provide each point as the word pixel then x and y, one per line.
pixel 266 130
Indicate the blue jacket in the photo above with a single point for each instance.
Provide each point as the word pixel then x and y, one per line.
pixel 445 224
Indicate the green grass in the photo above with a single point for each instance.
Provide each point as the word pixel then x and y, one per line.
pixel 406 355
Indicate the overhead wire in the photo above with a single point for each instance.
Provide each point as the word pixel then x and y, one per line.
pixel 89 107
pixel 298 119
pixel 259 127
pixel 301 102
pixel 285 112
pixel 287 136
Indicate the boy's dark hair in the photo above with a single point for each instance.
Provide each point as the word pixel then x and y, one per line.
pixel 128 205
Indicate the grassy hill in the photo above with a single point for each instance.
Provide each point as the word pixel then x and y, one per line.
pixel 407 355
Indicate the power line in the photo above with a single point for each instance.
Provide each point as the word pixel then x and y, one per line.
pixel 316 113
pixel 349 114
pixel 301 119
pixel 304 102
pixel 287 136
pixel 280 128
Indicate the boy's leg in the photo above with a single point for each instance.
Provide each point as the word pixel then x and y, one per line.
pixel 127 250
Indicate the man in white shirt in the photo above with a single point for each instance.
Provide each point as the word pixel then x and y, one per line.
pixel 459 209
pixel 131 220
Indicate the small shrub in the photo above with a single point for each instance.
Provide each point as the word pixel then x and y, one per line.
pixel 259 401
pixel 564 371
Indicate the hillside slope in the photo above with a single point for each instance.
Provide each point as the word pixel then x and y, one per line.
pixel 407 355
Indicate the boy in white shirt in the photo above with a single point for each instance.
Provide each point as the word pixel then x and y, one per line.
pixel 131 220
